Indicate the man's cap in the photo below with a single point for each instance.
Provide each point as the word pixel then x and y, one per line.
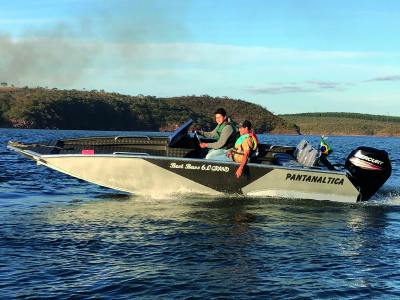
pixel 244 123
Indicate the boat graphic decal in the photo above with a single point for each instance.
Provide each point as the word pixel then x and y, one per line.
pixel 316 179
pixel 364 164
pixel 367 158
pixel 205 167
pixel 213 174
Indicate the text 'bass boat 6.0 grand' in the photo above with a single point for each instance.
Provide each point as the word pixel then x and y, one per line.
pixel 154 164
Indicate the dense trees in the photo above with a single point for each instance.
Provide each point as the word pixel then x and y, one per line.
pixel 262 119
pixel 97 110
pixel 72 109
pixel 345 124
pixel 358 116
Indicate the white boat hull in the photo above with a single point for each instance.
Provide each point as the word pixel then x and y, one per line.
pixel 154 175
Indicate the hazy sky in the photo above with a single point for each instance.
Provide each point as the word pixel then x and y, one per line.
pixel 288 56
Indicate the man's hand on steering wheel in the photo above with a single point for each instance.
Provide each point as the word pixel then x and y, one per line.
pixel 196 130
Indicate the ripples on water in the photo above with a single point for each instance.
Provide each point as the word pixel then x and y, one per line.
pixel 63 238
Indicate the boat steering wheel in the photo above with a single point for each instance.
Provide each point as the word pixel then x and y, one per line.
pixel 197 136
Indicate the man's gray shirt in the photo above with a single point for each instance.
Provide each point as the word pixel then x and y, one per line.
pixel 225 134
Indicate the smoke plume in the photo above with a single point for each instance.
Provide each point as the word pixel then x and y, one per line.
pixel 60 55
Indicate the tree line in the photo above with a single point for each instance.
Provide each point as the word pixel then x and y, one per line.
pixel 98 110
pixel 358 116
pixel 345 124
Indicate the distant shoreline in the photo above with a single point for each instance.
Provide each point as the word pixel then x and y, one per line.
pixel 98 110
pixel 42 108
pixel 269 133
pixel 348 124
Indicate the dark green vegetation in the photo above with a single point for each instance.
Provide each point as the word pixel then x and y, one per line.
pixel 97 110
pixel 345 124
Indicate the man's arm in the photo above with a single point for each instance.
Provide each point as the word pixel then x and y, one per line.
pixel 210 134
pixel 243 163
pixel 225 134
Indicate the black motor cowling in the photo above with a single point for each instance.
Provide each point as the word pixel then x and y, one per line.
pixel 370 169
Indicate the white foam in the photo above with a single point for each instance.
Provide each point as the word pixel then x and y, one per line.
pixel 389 194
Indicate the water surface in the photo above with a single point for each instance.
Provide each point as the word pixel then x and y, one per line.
pixel 63 238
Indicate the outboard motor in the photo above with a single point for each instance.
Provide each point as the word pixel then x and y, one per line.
pixel 370 169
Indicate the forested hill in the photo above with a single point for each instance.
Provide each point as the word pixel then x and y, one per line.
pixel 97 110
pixel 263 121
pixel 338 123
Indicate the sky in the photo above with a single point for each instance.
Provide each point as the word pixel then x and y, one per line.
pixel 289 56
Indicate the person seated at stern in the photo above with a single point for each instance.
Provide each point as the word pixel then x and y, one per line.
pixel 245 146
pixel 226 134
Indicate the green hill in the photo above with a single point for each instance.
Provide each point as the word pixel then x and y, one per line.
pixel 97 110
pixel 345 124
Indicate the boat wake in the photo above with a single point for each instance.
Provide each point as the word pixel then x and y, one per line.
pixel 389 194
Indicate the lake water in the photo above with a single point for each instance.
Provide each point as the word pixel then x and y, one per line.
pixel 63 238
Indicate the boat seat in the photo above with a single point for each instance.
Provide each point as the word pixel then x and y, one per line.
pixel 286 160
pixel 304 155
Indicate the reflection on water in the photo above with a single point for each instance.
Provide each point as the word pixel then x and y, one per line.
pixel 256 245
pixel 116 244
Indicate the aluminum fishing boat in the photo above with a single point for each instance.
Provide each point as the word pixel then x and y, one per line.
pixel 176 164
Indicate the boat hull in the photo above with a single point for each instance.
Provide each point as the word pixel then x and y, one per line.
pixel 143 174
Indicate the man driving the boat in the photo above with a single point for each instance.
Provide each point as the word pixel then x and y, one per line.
pixel 245 146
pixel 226 134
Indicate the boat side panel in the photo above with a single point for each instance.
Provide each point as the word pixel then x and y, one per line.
pixel 129 174
pixel 161 175
pixel 266 180
pixel 308 184
pixel 219 176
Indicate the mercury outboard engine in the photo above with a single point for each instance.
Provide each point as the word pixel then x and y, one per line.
pixel 370 169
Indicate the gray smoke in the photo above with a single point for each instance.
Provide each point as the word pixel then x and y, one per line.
pixel 44 57
pixel 61 55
